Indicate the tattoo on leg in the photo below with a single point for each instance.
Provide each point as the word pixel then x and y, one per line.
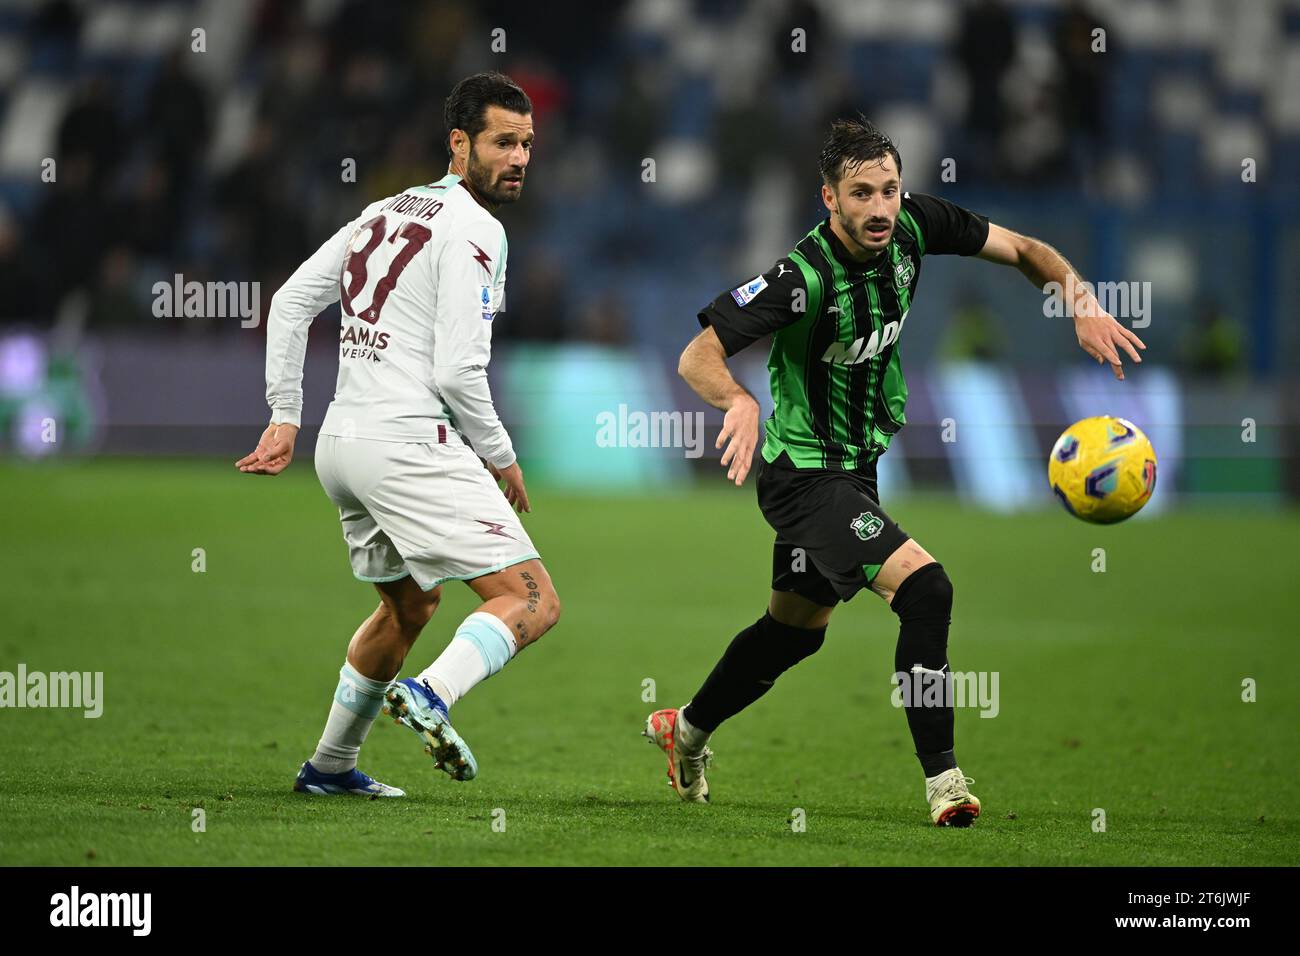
pixel 534 595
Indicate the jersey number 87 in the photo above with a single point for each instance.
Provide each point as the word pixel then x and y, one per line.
pixel 354 275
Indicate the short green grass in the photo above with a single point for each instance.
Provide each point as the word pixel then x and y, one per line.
pixel 1119 690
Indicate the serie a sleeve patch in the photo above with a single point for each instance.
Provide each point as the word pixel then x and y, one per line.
pixel 745 294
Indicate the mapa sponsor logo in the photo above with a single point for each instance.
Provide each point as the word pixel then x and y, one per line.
pixel 75 908
pixel 859 350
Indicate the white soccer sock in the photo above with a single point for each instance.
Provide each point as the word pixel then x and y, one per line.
pixel 481 646
pixel 357 701
pixel 691 737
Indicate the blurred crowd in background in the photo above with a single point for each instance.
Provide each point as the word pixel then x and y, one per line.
pixel 227 163
pixel 148 144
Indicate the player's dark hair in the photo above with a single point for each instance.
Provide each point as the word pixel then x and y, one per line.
pixel 851 143
pixel 466 107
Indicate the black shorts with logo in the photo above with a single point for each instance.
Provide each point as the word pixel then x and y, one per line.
pixel 832 536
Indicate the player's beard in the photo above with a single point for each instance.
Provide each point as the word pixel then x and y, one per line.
pixel 491 186
pixel 864 238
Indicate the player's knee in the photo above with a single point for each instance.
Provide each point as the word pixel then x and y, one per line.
pixel 548 610
pixel 780 646
pixel 412 610
pixel 422 608
pixel 925 593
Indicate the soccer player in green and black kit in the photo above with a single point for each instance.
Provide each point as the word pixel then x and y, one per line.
pixel 836 307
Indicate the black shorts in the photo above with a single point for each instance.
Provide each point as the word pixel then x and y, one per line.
pixel 832 536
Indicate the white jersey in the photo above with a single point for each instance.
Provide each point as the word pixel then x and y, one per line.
pixel 419 277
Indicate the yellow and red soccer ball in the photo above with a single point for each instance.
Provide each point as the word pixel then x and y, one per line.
pixel 1102 469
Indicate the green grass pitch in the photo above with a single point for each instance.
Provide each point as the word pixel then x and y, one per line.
pixel 1119 690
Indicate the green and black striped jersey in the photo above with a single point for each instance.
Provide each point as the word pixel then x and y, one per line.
pixel 837 382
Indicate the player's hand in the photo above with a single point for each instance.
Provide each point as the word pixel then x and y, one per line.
pixel 740 427
pixel 1102 338
pixel 273 453
pixel 515 491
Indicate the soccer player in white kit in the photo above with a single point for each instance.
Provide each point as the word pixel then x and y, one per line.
pixel 419 276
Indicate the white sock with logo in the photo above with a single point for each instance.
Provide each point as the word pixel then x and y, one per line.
pixel 481 646
pixel 357 701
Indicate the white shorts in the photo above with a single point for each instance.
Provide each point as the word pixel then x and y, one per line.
pixel 428 510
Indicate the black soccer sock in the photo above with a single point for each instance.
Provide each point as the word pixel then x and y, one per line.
pixel 923 603
pixel 753 661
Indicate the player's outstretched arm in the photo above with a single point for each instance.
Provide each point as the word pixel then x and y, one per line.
pixel 273 453
pixel 312 287
pixel 704 367
pixel 1098 333
pixel 462 347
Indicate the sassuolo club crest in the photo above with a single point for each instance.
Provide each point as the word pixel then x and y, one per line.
pixel 866 525
pixel 904 272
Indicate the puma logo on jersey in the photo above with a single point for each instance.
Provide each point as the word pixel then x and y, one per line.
pixel 782 270
pixel 859 350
